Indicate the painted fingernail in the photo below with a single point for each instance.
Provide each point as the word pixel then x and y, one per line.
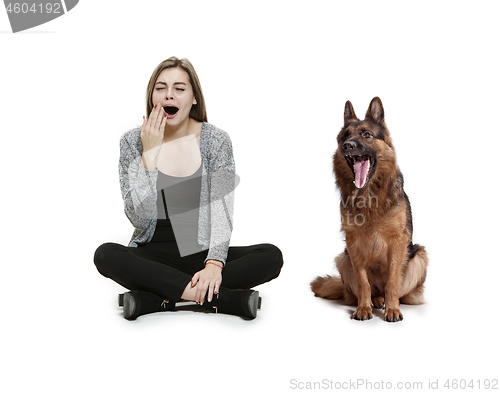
pixel 156 106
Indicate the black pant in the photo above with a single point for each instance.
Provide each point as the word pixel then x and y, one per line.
pixel 157 266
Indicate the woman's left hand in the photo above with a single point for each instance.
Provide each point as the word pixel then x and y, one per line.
pixel 209 279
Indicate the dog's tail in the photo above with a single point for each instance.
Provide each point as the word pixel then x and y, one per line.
pixel 328 287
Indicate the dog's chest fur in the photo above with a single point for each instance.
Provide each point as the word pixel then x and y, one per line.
pixel 369 242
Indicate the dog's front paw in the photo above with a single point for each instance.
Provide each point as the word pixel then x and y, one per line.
pixel 393 315
pixel 362 313
pixel 378 302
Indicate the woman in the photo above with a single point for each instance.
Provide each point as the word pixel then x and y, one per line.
pixel 177 179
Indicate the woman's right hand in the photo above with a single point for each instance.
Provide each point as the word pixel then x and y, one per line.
pixel 152 136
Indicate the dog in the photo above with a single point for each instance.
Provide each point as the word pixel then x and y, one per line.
pixel 380 266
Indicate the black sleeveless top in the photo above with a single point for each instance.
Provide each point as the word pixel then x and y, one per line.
pixel 178 203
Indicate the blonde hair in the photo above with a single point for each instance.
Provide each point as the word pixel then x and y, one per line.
pixel 198 111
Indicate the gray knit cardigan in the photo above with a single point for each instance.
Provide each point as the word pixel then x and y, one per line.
pixel 138 187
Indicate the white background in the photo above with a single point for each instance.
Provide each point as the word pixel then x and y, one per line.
pixel 275 76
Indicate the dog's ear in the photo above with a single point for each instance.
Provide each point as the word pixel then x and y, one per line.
pixel 349 115
pixel 375 111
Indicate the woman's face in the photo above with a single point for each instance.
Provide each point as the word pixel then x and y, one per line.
pixel 174 92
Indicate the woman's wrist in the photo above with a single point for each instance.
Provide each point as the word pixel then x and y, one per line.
pixel 214 262
pixel 148 160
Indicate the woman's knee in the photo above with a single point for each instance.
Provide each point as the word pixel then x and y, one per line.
pixel 274 256
pixel 104 256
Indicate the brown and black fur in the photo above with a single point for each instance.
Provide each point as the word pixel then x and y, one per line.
pixel 380 266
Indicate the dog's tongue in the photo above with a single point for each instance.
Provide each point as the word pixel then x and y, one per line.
pixel 361 172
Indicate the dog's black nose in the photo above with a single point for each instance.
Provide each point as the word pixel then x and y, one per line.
pixel 349 146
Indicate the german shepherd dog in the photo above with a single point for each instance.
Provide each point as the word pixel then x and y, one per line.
pixel 380 266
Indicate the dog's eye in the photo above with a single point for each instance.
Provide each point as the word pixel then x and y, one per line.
pixel 366 134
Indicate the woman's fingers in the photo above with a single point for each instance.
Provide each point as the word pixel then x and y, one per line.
pixel 158 114
pixel 211 289
pixel 216 288
pixel 201 291
pixel 155 118
pixel 207 283
pixel 153 129
pixel 195 279
pixel 144 125
pixel 162 123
